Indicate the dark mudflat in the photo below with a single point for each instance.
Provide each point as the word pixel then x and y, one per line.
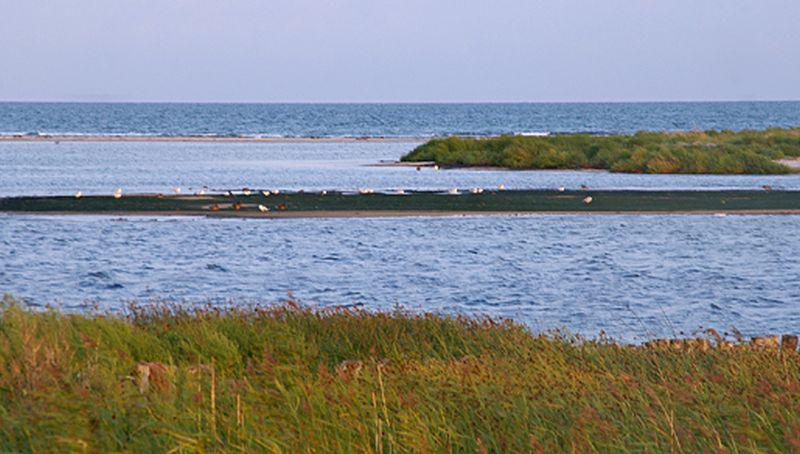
pixel 417 203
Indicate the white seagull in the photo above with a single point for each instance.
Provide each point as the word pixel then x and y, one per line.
pixel 265 193
pixel 453 191
pixel 588 200
pixel 561 189
pixel 501 187
pixel 78 195
pixel 263 209
pixel 118 193
pixel 176 189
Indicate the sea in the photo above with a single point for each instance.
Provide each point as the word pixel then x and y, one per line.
pixel 631 277
pixel 387 120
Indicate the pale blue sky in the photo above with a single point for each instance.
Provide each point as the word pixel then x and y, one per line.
pixel 404 50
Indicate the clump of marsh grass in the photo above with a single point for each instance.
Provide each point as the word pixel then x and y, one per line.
pixel 289 378
pixel 715 152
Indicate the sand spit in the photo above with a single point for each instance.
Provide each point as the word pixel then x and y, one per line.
pixel 793 163
pixel 416 203
pixel 213 139
pixel 397 213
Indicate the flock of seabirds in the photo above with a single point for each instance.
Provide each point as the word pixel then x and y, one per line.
pixel 364 191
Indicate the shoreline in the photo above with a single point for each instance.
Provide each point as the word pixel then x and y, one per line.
pixel 212 139
pixel 396 213
pixel 792 163
pixel 482 168
pixel 255 204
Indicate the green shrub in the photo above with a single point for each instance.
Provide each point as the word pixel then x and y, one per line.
pixel 719 152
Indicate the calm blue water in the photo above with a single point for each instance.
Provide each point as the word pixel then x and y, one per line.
pixel 42 168
pixel 634 277
pixel 386 120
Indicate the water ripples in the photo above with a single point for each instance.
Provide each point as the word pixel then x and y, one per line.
pixel 44 168
pixel 631 276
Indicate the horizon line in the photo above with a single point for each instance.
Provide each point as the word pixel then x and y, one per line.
pixel 718 101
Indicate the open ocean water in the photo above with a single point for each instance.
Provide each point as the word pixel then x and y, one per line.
pixel 633 276
pixel 386 120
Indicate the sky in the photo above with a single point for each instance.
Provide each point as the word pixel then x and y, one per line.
pixel 399 51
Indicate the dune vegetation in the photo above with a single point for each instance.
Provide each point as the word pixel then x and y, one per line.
pixel 711 152
pixel 291 379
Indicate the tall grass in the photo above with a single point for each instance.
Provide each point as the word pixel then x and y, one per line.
pixel 290 379
pixel 718 152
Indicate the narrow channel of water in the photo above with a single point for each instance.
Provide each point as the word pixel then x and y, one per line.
pixel 632 276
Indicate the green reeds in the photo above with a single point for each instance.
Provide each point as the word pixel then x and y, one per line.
pixel 714 152
pixel 292 379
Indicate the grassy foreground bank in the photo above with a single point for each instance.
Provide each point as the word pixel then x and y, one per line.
pixel 288 379
pixel 715 152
